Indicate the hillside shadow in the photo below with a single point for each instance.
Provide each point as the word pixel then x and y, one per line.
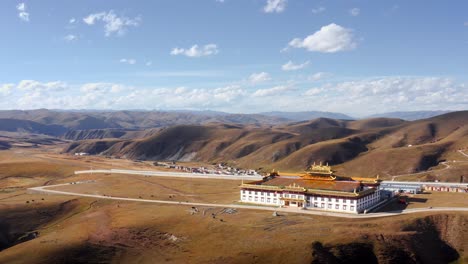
pixel 428 242
pixel 416 200
pixel 343 253
pixel 18 225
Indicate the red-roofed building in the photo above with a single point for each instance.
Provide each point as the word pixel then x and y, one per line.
pixel 319 188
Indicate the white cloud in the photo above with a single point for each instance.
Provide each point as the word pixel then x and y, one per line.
pixel 149 63
pixel 5 89
pixel 354 11
pixel 22 14
pixel 290 66
pixel 177 74
pixel 357 97
pixel 196 51
pixel 329 39
pixel 318 10
pixel 319 76
pixel 392 94
pixel 70 37
pixel 21 7
pixel 113 24
pixel 274 6
pixel 32 85
pixel 186 98
pixel 256 78
pixel 128 61
pixel 101 87
pixel 72 20
pixel 277 90
pixel 314 91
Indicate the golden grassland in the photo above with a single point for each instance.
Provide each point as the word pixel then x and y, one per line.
pixel 158 188
pixel 143 233
pixel 89 230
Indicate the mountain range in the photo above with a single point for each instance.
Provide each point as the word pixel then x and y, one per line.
pixel 367 147
pixel 71 123
pixel 275 140
pixel 411 115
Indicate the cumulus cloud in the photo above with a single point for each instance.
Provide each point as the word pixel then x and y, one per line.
pixel 22 14
pixel 32 85
pixel 277 90
pixel 128 61
pixel 329 39
pixel 392 94
pixel 5 89
pixel 314 91
pixel 274 6
pixel 195 51
pixel 31 94
pixel 357 97
pixel 187 98
pixel 101 87
pixel 113 24
pixel 290 66
pixel 318 10
pixel 70 37
pixel 319 76
pixel 256 78
pixel 354 11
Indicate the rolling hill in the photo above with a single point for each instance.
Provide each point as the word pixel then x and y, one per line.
pixel 411 115
pixel 94 124
pixel 301 116
pixel 363 147
pixel 26 126
pixel 79 120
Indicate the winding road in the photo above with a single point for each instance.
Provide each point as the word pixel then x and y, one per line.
pixel 45 190
pixel 445 163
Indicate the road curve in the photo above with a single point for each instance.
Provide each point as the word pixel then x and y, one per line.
pixel 43 189
pixel 445 163
pixel 463 153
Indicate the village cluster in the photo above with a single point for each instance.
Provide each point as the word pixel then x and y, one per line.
pixel 220 169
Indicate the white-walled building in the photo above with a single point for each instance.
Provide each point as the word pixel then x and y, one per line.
pixel 318 189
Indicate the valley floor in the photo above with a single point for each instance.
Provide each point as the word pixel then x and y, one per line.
pixel 42 228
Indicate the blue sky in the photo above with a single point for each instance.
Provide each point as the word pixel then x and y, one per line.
pixel 356 57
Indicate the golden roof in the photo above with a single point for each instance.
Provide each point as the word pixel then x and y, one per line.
pixel 319 169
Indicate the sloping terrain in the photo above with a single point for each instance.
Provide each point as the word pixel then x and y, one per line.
pixel 431 239
pixel 38 228
pixel 364 147
pixel 26 139
pixel 94 134
pixel 411 115
pixel 26 126
pixel 301 116
pixel 87 120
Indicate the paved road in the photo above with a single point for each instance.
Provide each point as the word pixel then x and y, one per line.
pixel 174 174
pixel 43 189
pixel 463 153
